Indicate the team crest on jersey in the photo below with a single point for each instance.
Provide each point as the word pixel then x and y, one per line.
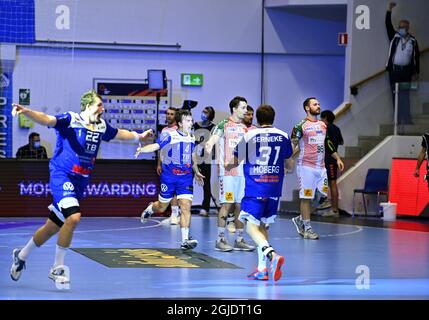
pixel 229 196
pixel 164 187
pixel 308 193
pixel 68 186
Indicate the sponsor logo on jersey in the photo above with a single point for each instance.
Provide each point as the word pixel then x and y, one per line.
pixel 229 196
pixel 308 192
pixel 81 170
pixel 68 186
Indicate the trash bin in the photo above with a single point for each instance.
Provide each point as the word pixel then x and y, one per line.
pixel 389 210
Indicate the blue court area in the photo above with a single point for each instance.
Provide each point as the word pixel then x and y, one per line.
pixel 330 268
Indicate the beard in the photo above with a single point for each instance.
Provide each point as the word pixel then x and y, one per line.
pixel 314 112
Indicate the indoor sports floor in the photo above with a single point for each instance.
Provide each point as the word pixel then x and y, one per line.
pixel 126 262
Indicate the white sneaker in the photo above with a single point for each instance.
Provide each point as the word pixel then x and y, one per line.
pixel 18 265
pixel 146 213
pixel 61 276
pixel 324 205
pixel 189 244
pixel 204 213
pixel 174 220
pixel 331 213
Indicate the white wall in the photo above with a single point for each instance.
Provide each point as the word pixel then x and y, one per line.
pixel 197 25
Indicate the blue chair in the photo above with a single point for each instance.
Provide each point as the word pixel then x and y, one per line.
pixel 376 182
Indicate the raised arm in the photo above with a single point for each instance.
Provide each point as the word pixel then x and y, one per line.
pixel 210 143
pixel 132 135
pixel 37 116
pixel 389 26
pixel 147 149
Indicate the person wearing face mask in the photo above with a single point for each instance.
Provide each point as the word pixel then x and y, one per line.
pixel 202 130
pixel 32 150
pixel 79 136
pixel 403 62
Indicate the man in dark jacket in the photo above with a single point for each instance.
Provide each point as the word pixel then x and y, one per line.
pixel 333 139
pixel 403 62
pixel 32 150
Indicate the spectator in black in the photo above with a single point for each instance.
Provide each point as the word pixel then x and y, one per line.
pixel 424 153
pixel 403 63
pixel 333 139
pixel 202 131
pixel 32 150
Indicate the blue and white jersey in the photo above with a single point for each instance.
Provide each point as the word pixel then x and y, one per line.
pixel 77 145
pixel 263 151
pixel 176 152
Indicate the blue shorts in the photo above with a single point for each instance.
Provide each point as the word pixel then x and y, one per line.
pixel 67 189
pixel 180 185
pixel 257 210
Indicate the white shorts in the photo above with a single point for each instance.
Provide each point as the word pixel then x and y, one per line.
pixel 231 189
pixel 310 179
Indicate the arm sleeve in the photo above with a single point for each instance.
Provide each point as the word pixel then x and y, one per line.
pixel 297 132
pixel 219 129
pixel 163 139
pixel 288 148
pixel 389 26
pixel 110 133
pixel 63 121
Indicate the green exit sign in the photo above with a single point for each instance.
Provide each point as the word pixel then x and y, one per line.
pixel 192 79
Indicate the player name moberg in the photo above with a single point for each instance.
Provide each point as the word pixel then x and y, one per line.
pixel 258 170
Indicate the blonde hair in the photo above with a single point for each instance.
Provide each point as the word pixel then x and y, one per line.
pixel 88 98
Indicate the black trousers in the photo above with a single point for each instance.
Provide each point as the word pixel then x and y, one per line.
pixel 206 171
pixel 401 75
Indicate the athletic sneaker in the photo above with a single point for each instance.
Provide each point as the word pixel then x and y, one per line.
pixel 189 244
pixel 18 265
pixel 331 213
pixel 310 234
pixel 259 275
pixel 203 213
pixel 275 267
pixel 174 220
pixel 299 225
pixel 243 246
pixel 326 204
pixel 59 276
pixel 146 213
pixel 222 245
